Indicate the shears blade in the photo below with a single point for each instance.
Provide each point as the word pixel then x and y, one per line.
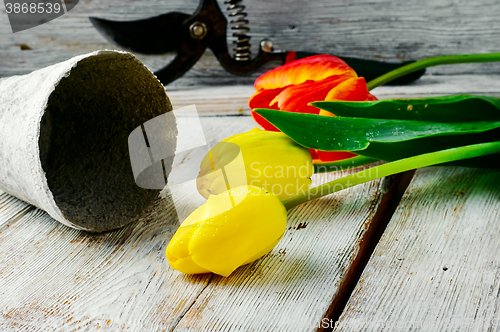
pixel 154 35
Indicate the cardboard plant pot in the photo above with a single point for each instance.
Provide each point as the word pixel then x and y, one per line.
pixel 64 138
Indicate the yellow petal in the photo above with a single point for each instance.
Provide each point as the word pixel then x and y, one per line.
pixel 270 160
pixel 263 252
pixel 186 265
pixel 225 241
pixel 178 246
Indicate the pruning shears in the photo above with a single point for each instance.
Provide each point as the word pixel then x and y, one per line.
pixel 190 35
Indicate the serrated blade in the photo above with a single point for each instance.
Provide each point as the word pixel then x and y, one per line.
pixel 156 35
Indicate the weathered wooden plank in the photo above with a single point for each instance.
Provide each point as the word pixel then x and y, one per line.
pixel 296 285
pixel 437 266
pixel 56 278
pixel 226 100
pixel 53 277
pixel 11 209
pixel 387 30
pixel 434 85
pixel 233 100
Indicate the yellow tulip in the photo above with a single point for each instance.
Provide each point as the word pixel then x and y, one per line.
pixel 231 229
pixel 265 159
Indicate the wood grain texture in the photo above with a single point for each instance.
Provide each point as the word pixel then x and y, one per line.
pixel 437 266
pixel 55 278
pixel 294 286
pixel 386 30
pixel 233 100
pixel 11 209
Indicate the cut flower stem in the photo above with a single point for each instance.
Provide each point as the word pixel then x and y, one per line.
pixel 339 165
pixel 430 62
pixel 402 165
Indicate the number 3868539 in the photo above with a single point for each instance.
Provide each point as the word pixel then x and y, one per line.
pixel 33 8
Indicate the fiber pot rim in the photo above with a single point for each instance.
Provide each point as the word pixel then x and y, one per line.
pixel 130 95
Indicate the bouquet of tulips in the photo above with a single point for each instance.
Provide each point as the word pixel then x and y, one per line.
pixel 319 116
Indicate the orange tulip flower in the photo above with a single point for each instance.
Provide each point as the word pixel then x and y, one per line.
pixel 293 86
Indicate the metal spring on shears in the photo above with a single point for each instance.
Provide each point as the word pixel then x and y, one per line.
pixel 240 23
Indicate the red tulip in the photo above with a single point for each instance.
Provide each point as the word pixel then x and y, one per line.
pixel 294 85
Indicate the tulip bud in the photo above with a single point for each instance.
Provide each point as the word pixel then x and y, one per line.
pixel 270 160
pixel 293 86
pixel 231 229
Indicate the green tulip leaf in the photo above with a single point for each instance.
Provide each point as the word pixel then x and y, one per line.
pixel 356 134
pixel 448 109
pixel 395 129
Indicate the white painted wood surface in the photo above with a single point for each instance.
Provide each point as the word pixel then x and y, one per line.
pixel 437 266
pixel 386 30
pixel 59 279
pixel 295 286
pixel 55 278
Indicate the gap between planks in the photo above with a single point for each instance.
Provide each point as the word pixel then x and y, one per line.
pixel 397 185
pixel 298 285
pixel 392 189
pixel 436 268
pixel 97 264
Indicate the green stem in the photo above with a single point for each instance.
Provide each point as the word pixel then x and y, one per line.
pixel 402 165
pixel 434 61
pixel 342 165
